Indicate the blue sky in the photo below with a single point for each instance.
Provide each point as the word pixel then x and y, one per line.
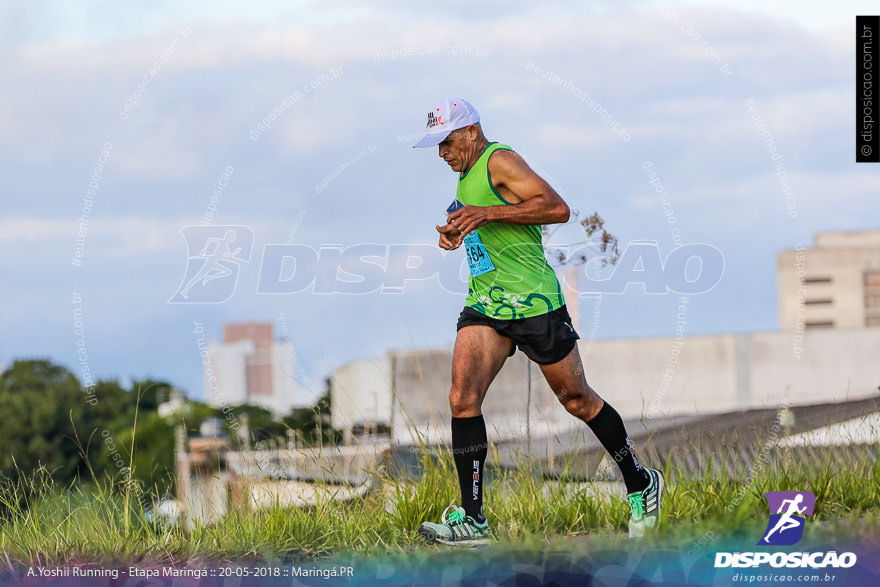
pixel 675 75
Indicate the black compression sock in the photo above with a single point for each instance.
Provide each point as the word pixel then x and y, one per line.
pixel 469 450
pixel 608 427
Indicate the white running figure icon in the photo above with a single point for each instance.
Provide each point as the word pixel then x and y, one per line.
pixel 786 522
pixel 212 269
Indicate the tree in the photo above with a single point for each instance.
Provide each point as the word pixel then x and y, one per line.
pixel 106 430
pixel 151 393
pixel 262 424
pixel 50 421
pixel 305 421
pixel 38 400
pixel 153 467
pixel 112 408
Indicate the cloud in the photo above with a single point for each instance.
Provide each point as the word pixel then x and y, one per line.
pixel 195 117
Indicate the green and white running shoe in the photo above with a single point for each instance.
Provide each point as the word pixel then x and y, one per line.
pixel 644 506
pixel 456 529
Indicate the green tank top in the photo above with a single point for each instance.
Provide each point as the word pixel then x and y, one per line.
pixel 521 283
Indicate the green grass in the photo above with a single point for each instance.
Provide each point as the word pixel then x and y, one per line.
pixel 41 523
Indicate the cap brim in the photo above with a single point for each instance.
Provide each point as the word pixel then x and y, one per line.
pixel 432 139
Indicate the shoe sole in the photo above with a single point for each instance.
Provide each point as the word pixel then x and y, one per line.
pixel 660 487
pixel 432 536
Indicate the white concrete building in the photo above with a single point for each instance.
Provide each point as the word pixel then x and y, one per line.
pixel 226 381
pixel 250 367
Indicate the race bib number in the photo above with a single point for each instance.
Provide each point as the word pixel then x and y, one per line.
pixel 477 255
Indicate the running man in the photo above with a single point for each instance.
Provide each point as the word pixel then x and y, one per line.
pixel 786 521
pixel 514 301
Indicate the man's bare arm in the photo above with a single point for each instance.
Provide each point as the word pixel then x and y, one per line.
pixel 534 200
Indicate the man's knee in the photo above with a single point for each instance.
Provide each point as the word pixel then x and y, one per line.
pixel 464 403
pixel 571 401
pixel 581 405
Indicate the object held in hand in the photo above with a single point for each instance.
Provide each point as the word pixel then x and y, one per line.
pixel 455 205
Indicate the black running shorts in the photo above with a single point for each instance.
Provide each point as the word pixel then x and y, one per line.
pixel 545 339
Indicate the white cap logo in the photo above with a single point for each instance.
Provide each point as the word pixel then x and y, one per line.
pixel 448 115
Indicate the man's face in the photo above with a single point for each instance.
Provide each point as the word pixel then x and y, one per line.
pixel 457 149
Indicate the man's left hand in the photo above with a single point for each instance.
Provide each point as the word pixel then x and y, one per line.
pixel 470 218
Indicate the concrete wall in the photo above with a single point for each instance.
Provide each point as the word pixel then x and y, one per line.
pixel 421 398
pixel 659 376
pixel 714 374
pixel 350 463
pixel 641 378
pixel 834 365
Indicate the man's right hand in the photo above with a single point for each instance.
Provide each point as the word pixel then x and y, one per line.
pixel 450 237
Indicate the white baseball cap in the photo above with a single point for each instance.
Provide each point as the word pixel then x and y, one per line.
pixel 446 116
